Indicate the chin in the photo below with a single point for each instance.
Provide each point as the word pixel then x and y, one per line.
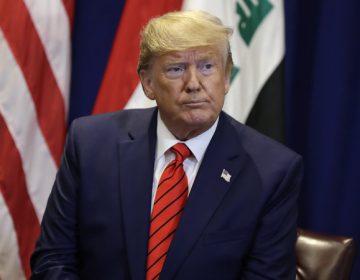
pixel 200 121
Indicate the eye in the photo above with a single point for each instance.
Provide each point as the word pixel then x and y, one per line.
pixel 175 71
pixel 206 68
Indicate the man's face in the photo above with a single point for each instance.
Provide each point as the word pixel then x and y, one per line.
pixel 189 88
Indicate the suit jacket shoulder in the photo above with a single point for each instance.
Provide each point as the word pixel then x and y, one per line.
pixel 120 122
pixel 264 151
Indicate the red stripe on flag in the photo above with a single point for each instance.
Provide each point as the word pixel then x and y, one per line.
pixel 29 53
pixel 120 79
pixel 14 191
pixel 69 7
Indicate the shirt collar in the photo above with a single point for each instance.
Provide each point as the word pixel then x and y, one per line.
pixel 197 145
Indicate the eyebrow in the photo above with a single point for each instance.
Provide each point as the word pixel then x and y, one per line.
pixel 205 53
pixel 180 60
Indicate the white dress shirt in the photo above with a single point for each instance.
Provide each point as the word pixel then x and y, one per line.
pixel 165 140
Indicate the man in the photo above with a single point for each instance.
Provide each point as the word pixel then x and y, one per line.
pixel 181 191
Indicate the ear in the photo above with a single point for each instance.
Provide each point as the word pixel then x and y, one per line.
pixel 227 80
pixel 146 82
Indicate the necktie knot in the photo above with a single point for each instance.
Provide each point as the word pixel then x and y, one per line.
pixel 181 152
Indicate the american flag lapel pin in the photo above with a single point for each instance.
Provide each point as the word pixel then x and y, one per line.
pixel 225 175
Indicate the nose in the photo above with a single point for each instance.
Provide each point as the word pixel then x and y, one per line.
pixel 192 80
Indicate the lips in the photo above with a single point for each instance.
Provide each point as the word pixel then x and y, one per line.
pixel 194 104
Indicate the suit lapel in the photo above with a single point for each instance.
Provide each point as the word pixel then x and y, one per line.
pixel 136 158
pixel 223 152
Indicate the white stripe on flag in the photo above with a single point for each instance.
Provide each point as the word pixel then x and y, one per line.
pixel 52 24
pixel 256 62
pixel 17 108
pixel 10 266
pixel 139 99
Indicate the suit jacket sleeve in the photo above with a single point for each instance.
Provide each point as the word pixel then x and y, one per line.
pixel 55 256
pixel 272 255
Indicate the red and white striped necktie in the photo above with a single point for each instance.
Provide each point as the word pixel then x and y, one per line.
pixel 169 204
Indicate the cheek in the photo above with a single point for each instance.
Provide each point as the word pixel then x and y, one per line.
pixel 217 91
pixel 168 97
pixel 169 87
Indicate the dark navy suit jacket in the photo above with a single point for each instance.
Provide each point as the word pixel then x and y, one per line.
pixel 97 219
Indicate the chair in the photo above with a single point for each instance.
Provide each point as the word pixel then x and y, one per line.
pixel 324 257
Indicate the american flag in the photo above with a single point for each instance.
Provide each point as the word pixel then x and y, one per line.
pixel 34 94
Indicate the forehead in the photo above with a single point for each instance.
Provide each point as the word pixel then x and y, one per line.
pixel 193 54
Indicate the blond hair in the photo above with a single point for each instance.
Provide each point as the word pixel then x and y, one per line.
pixel 179 31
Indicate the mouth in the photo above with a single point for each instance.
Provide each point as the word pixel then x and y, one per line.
pixel 195 104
